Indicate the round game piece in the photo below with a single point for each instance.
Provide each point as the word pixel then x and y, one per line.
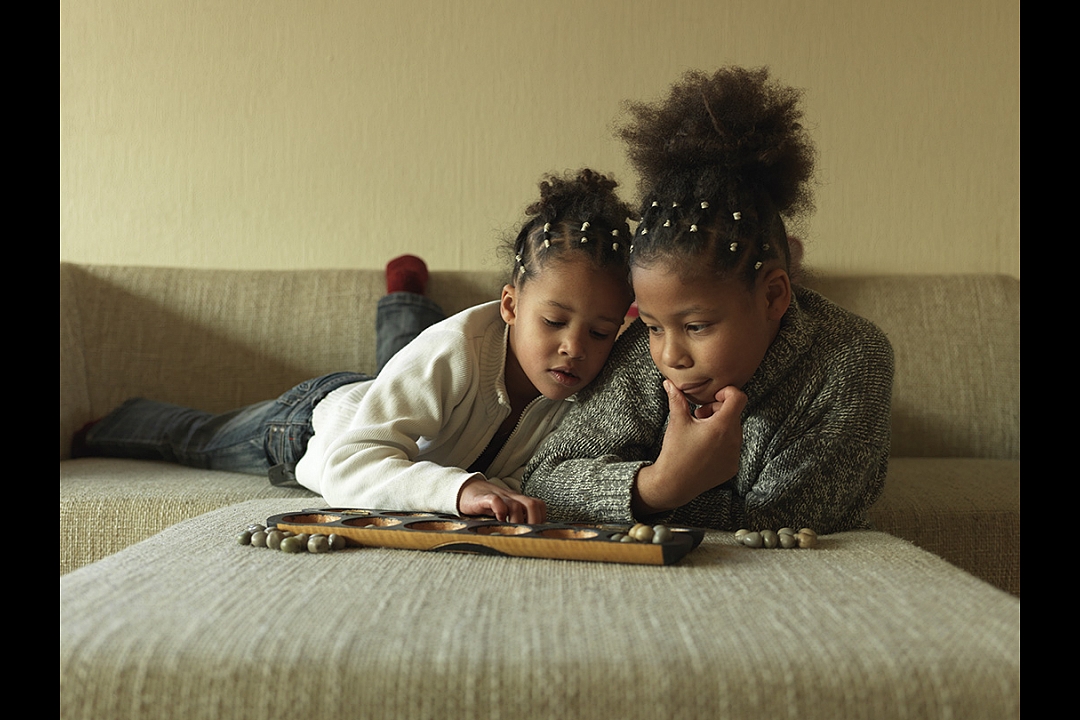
pixel 336 542
pixel 806 540
pixel 642 532
pixel 752 540
pixel 258 539
pixel 244 538
pixel 740 532
pixel 255 527
pixel 788 540
pixel 292 545
pixel 274 538
pixel 769 539
pixel 318 544
pixel 662 534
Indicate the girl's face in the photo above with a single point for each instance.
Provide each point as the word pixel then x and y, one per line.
pixel 707 333
pixel 563 323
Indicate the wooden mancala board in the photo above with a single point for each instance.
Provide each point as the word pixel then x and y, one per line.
pixel 487 536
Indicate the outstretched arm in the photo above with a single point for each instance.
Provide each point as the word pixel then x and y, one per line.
pixel 585 470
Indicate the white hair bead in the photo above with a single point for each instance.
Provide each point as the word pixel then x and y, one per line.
pixel 737 215
pixel 733 246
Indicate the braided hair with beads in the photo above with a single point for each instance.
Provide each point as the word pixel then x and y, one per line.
pixel 576 213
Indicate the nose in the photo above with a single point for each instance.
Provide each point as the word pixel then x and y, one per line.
pixel 674 354
pixel 573 345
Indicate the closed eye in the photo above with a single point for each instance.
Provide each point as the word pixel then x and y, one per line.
pixel 554 323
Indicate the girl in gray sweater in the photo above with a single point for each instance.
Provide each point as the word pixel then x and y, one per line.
pixel 742 399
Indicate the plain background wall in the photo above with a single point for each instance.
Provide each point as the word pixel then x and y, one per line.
pixel 339 133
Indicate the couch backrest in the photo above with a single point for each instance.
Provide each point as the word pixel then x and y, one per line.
pixel 957 345
pixel 218 339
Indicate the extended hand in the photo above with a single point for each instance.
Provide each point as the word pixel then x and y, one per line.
pixel 480 497
pixel 700 451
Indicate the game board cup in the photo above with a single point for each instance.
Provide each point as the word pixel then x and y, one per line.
pixel 501 529
pixel 372 522
pixel 313 518
pixel 568 533
pixel 437 525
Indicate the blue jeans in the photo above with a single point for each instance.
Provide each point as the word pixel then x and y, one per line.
pixel 400 317
pixel 256 438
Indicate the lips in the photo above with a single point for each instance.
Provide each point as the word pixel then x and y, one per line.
pixel 564 376
pixel 692 387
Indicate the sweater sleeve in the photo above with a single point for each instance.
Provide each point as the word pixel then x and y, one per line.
pixel 368 455
pixel 585 470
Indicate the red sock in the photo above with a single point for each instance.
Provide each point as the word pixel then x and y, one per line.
pixel 406 273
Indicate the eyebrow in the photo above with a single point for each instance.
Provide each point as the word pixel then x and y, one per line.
pixel 694 310
pixel 567 308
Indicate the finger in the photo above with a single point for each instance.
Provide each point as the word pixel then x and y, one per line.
pixel 536 510
pixel 678 407
pixel 730 402
pixel 498 507
pixel 516 512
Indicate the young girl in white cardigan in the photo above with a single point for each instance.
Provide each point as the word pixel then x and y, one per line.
pixel 451 420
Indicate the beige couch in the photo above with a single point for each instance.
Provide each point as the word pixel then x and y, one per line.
pixel 218 339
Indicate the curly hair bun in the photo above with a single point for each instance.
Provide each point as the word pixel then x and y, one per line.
pixel 727 134
pixel 580 195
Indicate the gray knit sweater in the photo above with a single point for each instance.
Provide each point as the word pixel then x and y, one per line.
pixel 815 432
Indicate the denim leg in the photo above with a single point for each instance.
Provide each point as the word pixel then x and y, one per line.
pixel 401 316
pixel 149 430
pixel 248 440
pixel 289 429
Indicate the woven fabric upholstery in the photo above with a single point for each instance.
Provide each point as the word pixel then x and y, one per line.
pixel 190 625
pixel 956 340
pixel 107 504
pixel 218 339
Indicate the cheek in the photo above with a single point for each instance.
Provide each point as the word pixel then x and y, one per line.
pixel 655 350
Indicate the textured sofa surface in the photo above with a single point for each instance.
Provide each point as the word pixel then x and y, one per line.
pixel 189 624
pixel 219 339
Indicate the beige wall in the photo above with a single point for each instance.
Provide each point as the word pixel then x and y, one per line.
pixel 322 133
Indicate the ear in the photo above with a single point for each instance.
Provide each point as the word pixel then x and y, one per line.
pixel 508 304
pixel 777 293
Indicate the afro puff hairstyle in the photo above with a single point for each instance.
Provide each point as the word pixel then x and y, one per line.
pixel 722 160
